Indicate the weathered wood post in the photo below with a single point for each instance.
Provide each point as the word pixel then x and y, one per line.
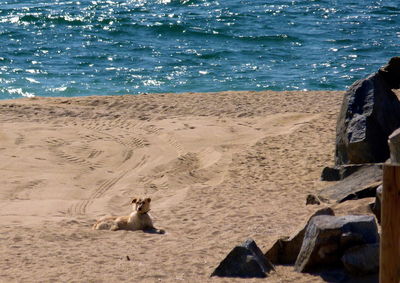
pixel 390 215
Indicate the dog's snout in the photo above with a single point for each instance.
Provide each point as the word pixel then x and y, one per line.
pixel 142 207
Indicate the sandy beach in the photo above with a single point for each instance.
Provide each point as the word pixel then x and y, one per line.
pixel 219 167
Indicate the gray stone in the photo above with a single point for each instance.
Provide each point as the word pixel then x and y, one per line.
pixel 339 172
pixel 286 250
pixel 361 184
pixel 370 113
pixel 362 260
pixel 325 239
pixel 377 207
pixel 244 261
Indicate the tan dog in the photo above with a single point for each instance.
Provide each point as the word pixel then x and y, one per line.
pixel 139 219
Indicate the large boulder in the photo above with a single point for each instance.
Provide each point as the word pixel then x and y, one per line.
pixel 370 113
pixel 362 259
pixel 244 261
pixel 285 250
pixel 328 237
pixel 340 172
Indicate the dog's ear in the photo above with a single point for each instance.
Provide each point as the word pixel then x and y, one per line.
pixel 134 201
pixel 148 199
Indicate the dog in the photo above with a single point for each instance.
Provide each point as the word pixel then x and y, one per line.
pixel 139 219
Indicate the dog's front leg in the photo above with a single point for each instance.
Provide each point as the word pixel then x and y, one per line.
pixel 114 226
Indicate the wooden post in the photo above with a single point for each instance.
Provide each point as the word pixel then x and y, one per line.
pixel 390 223
pixel 389 271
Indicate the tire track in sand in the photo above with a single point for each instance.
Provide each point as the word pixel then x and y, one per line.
pixel 128 143
pixel 81 207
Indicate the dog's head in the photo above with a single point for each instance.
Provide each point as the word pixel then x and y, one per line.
pixel 141 205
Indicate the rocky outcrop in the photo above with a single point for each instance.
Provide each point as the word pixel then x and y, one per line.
pixel 361 184
pixel 340 172
pixel 370 113
pixel 244 261
pixel 328 237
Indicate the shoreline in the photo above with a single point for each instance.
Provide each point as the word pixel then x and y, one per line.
pixel 174 93
pixel 164 103
pixel 219 167
pixel 179 93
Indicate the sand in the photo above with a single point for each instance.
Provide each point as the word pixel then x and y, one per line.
pixel 219 167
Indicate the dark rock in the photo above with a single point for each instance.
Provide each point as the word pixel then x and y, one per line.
pixel 340 275
pixel 339 172
pixel 286 250
pixel 362 260
pixel 361 184
pixel 331 174
pixel 370 113
pixel 348 169
pixel 312 199
pixel 244 261
pixel 349 239
pixel 378 203
pixel 325 239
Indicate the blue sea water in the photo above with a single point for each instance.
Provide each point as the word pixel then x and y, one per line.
pixel 96 47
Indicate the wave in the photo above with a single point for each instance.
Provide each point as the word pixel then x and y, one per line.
pixel 270 38
pixel 188 31
pixel 58 20
pixel 70 20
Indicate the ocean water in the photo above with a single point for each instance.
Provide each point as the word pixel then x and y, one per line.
pixel 113 47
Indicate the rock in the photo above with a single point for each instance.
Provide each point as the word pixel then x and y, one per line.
pixel 354 207
pixel 378 203
pixel 286 250
pixel 349 239
pixel 394 147
pixel 362 260
pixel 312 199
pixel 370 113
pixel 244 261
pixel 361 184
pixel 327 237
pixel 339 172
pixel 331 174
pixel 340 274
